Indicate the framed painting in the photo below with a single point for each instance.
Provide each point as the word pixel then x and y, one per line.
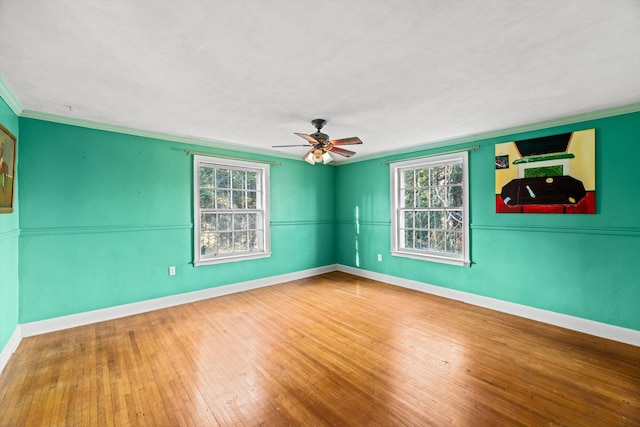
pixel 552 174
pixel 7 169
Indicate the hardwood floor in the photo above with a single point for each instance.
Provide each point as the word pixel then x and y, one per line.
pixel 330 350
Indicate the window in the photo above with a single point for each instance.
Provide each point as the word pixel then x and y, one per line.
pixel 429 202
pixel 231 210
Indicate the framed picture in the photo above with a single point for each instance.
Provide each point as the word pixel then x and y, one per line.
pixel 552 174
pixel 7 169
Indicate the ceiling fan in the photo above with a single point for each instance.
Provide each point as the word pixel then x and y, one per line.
pixel 321 145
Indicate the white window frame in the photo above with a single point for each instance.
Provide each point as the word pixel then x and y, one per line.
pixel 262 205
pixel 397 217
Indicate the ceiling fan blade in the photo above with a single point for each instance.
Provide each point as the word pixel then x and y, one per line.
pixel 296 145
pixel 347 141
pixel 342 151
pixel 309 138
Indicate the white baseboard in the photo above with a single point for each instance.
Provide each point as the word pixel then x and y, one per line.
pixel 81 319
pixel 10 348
pixel 603 330
pixel 616 333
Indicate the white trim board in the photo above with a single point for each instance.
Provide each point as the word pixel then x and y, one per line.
pixel 602 330
pixel 89 317
pixel 10 348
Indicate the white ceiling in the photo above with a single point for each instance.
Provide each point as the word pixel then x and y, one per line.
pixel 250 73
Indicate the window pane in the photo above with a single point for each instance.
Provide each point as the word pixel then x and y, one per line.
pixel 225 242
pixel 240 242
pixel 455 174
pixel 238 179
pixel 208 222
pixel 438 175
pixel 208 243
pixel 252 200
pixel 408 178
pixel 455 196
pixel 206 199
pixel 423 198
pixel 454 220
pixel 252 181
pixel 222 178
pixel 436 220
pixel 239 199
pixel 252 240
pixel 408 219
pixel 422 178
pixel 222 199
pixel 422 240
pixel 253 221
pixel 454 243
pixel 224 222
pixel 436 241
pixel 256 240
pixel 422 219
pixel 408 238
pixel 240 222
pixel 438 196
pixel 206 177
pixel 408 198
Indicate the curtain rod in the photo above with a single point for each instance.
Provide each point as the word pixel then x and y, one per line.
pixel 189 152
pixel 474 148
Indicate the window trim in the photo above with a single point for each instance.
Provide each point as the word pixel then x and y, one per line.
pixel 199 160
pixel 396 169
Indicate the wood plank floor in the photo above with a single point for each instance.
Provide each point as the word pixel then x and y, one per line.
pixel 332 350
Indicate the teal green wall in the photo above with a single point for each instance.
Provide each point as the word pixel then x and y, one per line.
pixel 103 215
pixel 580 265
pixel 9 234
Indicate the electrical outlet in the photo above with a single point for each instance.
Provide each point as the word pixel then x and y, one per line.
pixel 172 271
pixel 379 257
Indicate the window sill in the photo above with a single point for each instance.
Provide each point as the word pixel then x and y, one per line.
pixel 433 258
pixel 231 258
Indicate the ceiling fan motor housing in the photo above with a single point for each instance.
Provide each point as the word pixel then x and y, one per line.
pixel 322 137
pixel 319 124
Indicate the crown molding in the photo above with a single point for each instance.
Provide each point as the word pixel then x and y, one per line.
pixel 474 138
pixel 191 140
pixel 10 98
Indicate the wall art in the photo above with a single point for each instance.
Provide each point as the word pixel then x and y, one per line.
pixel 551 174
pixel 7 169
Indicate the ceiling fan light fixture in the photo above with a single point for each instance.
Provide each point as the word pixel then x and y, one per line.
pixel 309 158
pixel 317 154
pixel 326 158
